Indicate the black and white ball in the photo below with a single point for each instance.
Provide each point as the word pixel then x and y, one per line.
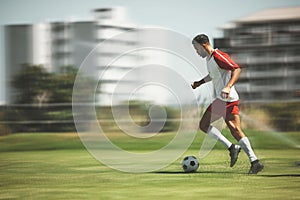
pixel 190 164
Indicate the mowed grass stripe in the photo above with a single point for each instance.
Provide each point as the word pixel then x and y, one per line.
pixel 56 166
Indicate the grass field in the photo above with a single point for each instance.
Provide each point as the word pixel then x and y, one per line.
pixel 56 166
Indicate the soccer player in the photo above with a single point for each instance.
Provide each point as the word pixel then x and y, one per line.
pixel 224 73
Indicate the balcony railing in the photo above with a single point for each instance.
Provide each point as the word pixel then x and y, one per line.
pixel 264 40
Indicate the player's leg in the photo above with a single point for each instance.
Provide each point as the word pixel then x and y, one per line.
pixel 205 126
pixel 207 119
pixel 234 124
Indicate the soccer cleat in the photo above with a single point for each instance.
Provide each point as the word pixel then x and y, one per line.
pixel 234 151
pixel 256 166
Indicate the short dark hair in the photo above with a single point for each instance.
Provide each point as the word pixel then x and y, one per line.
pixel 201 39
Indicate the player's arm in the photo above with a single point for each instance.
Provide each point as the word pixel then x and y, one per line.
pixel 235 74
pixel 202 81
pixel 225 62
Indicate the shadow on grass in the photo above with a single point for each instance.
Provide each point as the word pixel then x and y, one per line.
pixel 280 175
pixel 199 172
pixel 219 172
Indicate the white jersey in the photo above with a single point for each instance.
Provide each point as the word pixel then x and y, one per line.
pixel 219 66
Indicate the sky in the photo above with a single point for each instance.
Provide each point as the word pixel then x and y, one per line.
pixel 188 17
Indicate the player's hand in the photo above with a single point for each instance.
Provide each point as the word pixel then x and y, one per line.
pixel 225 92
pixel 195 84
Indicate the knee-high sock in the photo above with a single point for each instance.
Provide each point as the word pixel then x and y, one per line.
pixel 246 146
pixel 215 133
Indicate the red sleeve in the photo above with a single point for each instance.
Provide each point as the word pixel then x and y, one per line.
pixel 224 61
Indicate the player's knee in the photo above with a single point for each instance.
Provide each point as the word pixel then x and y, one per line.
pixel 204 126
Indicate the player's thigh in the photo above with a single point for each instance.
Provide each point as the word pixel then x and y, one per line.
pixel 207 118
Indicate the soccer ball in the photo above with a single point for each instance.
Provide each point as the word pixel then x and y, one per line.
pixel 190 164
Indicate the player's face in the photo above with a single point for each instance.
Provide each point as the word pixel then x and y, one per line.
pixel 200 50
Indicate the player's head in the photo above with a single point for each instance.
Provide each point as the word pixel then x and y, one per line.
pixel 201 39
pixel 199 42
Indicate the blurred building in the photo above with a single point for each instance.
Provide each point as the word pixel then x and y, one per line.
pixel 63 43
pixel 267 45
pixel 24 43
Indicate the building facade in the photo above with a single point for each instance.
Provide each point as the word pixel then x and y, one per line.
pixel 267 46
pixel 65 43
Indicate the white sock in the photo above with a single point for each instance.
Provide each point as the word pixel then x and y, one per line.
pixel 246 146
pixel 215 133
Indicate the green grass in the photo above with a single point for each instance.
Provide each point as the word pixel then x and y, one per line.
pixel 56 166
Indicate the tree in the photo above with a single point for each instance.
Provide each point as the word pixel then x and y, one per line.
pixel 32 84
pixel 51 92
pixel 62 85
